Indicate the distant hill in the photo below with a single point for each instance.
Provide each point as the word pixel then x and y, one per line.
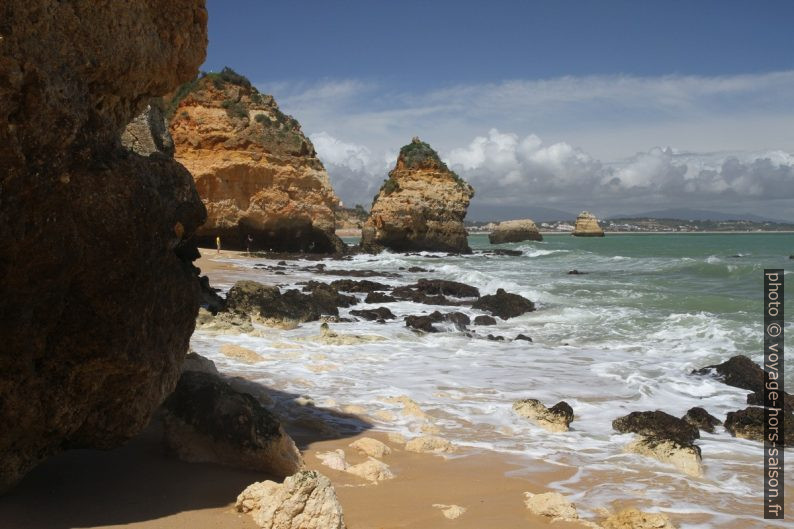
pixel 695 214
pixel 487 213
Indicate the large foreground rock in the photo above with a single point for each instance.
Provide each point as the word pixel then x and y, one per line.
pixel 305 500
pixel 749 424
pixel 256 171
pixel 98 297
pixel 207 421
pixel 420 206
pixel 515 231
pixel 587 226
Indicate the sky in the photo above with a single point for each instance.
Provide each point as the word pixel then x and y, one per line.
pixel 616 107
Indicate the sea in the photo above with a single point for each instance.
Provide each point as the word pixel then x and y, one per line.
pixel 622 336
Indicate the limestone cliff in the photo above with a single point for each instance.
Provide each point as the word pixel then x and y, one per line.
pixel 515 231
pixel 98 296
pixel 256 172
pixel 587 226
pixel 421 206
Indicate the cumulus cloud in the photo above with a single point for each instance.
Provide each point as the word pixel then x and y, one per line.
pixel 570 143
pixel 508 170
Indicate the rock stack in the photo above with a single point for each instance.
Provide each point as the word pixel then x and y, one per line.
pixel 420 207
pixel 255 170
pixel 515 231
pixel 587 226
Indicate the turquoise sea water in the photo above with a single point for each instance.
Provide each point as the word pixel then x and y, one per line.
pixel 623 337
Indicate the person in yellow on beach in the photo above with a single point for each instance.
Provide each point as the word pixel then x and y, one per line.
pixel 218 243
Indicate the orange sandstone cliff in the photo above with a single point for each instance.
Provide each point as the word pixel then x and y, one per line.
pixel 255 170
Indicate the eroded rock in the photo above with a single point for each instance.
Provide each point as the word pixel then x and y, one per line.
pixel 739 371
pixel 702 419
pixel 305 500
pixel 555 419
pixel 635 519
pixel 587 226
pixel 420 206
pixel 551 505
pixel 663 437
pixel 370 447
pixel 99 296
pixel 749 424
pixel 515 231
pixel 504 304
pixel 206 420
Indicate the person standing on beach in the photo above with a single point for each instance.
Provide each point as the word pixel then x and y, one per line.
pixel 218 243
pixel 250 242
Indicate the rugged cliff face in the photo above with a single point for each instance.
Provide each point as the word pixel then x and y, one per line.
pixel 97 293
pixel 421 206
pixel 587 226
pixel 256 172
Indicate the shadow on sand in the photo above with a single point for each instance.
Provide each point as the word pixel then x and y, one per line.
pixel 138 482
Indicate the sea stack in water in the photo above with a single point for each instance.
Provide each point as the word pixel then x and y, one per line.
pixel 587 226
pixel 515 231
pixel 256 172
pixel 99 297
pixel 420 207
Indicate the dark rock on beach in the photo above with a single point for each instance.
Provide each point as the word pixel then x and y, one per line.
pixel 749 424
pixel 328 298
pixel 424 322
pixel 495 338
pixel 504 304
pixel 379 297
pixel 575 272
pixel 256 299
pixel 442 287
pixel 700 418
pixel 663 437
pixel 460 320
pixel 657 424
pixel 484 320
pixel 380 313
pixel 739 371
pixel 350 285
pixel 757 399
pixel 435 292
pixel 206 420
pixel 522 337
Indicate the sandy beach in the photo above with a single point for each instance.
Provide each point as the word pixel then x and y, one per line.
pixel 139 486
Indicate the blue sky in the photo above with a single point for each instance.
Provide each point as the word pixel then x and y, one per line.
pixel 613 106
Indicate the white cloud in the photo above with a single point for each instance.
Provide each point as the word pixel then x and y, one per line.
pixel 731 136
pixel 508 170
